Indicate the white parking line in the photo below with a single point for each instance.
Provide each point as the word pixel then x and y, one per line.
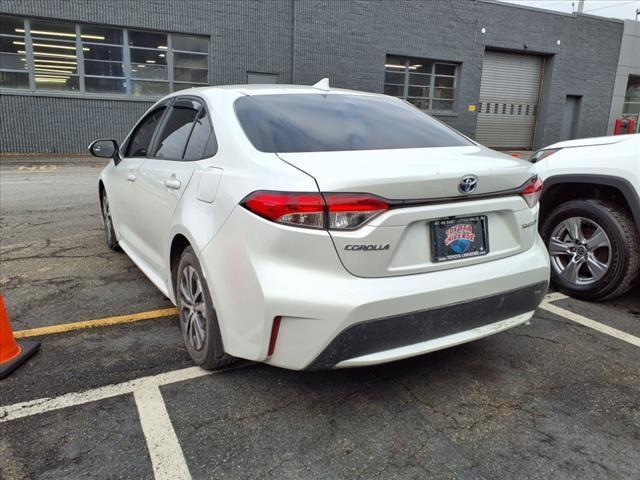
pixel 166 454
pixel 574 317
pixel 42 405
pixel 167 458
pixel 554 296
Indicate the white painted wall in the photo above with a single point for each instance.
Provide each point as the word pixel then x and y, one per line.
pixel 628 63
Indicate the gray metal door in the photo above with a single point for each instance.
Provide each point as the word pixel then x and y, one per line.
pixel 570 118
pixel 508 105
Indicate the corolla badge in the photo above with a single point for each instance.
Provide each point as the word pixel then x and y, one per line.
pixel 468 184
pixel 368 248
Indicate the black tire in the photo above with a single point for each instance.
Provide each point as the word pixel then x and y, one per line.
pixel 622 252
pixel 198 319
pixel 107 221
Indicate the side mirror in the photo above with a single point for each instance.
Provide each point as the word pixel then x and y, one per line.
pixel 104 149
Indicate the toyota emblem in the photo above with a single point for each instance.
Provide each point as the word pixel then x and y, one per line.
pixel 468 184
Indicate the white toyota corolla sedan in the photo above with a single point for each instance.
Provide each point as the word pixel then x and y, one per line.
pixel 312 227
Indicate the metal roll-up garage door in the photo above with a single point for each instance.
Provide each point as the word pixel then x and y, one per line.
pixel 508 104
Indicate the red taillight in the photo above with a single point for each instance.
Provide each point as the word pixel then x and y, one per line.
pixel 348 211
pixel 532 191
pixel 299 209
pixel 275 327
pixel 333 211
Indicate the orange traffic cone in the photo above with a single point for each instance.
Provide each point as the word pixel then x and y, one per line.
pixel 12 354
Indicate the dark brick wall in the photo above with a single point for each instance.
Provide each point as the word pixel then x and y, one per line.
pixel 245 36
pixel 56 124
pixel 349 41
pixel 346 40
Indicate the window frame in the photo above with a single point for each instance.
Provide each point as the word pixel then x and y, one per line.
pixel 212 135
pixel 172 65
pixel 166 104
pixel 127 78
pixel 430 98
pixel 156 140
pixel 153 145
pixel 168 58
pixel 123 62
pixel 17 36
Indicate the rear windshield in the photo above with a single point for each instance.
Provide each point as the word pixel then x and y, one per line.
pixel 328 123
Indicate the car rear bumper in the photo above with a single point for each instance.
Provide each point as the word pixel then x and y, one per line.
pixel 271 271
pixel 401 336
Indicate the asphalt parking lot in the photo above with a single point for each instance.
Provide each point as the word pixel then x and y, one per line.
pixel 559 398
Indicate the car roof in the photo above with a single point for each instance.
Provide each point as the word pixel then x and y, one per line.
pixel 267 89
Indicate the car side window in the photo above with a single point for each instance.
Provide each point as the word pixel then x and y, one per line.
pixel 139 144
pixel 202 143
pixel 172 140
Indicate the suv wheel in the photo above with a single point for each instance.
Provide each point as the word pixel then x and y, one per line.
pixel 198 319
pixel 107 220
pixel 593 247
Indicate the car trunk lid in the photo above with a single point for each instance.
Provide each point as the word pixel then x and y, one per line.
pixel 412 174
pixel 422 186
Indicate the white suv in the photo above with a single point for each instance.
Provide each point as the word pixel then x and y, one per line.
pixel 590 214
pixel 309 227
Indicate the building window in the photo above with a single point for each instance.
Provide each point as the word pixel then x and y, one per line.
pixel 103 55
pixel 52 54
pixel 429 85
pixel 258 77
pixel 96 60
pixel 13 59
pixel 631 106
pixel 149 69
pixel 190 61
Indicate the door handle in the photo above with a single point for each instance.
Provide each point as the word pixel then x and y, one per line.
pixel 172 183
pixel 131 177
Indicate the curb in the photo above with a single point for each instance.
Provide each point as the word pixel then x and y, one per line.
pixel 49 160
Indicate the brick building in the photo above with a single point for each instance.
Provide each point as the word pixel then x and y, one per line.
pixel 509 76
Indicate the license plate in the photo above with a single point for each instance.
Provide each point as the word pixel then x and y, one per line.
pixel 456 238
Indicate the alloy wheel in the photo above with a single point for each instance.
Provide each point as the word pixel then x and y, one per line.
pixel 193 308
pixel 106 216
pixel 580 251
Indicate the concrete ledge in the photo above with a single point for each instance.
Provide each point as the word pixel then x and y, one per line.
pixel 47 158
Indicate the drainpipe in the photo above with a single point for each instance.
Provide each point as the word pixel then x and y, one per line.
pixel 293 42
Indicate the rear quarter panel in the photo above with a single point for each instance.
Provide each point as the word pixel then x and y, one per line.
pixel 239 170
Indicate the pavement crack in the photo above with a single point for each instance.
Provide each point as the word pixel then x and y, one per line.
pixel 534 337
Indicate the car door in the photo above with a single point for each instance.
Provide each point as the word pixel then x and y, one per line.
pixel 162 180
pixel 121 187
